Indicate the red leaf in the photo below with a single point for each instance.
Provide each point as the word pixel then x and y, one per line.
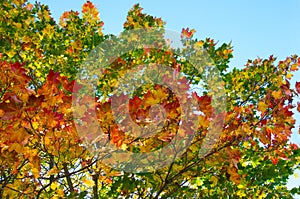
pixel 274 160
pixel 294 146
pixel 264 122
pixel 287 112
pixel 298 87
pixel 76 87
pixel 53 77
pixel 187 33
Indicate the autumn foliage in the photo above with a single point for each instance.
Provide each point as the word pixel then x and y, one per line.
pixel 43 156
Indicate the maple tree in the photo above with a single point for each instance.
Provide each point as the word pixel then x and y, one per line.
pixel 42 154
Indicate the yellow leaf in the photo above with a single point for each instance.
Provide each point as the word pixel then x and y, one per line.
pixel 35 125
pixel 262 107
pixel 199 44
pixel 18 25
pixel 241 193
pixel 26 39
pixel 289 76
pixel 226 51
pixel 60 192
pixel 246 145
pixel 262 195
pixel 124 147
pixel 151 101
pixel 38 65
pixel 38 74
pixel 214 180
pixel 36 172
pixel 52 61
pixel 52 171
pixel 160 94
pixel 11 54
pixel 88 183
pixel 244 164
pixel 130 19
pixel 240 186
pixel 28 21
pixel 54 185
pixel 199 182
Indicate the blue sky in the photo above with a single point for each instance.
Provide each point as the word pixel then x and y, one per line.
pixel 257 28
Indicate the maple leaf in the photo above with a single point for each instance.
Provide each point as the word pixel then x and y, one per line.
pixel 274 160
pixel 277 94
pixel 88 183
pixel 294 67
pixel 262 106
pixel 187 33
pixel 40 147
pixel 297 87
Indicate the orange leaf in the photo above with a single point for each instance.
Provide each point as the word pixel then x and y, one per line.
pixel 294 67
pixel 277 94
pixel 269 131
pixel 1 112
pixel 16 147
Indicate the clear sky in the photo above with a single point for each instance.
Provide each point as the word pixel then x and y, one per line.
pixel 257 28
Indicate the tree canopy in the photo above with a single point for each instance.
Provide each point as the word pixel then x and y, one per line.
pixel 238 125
